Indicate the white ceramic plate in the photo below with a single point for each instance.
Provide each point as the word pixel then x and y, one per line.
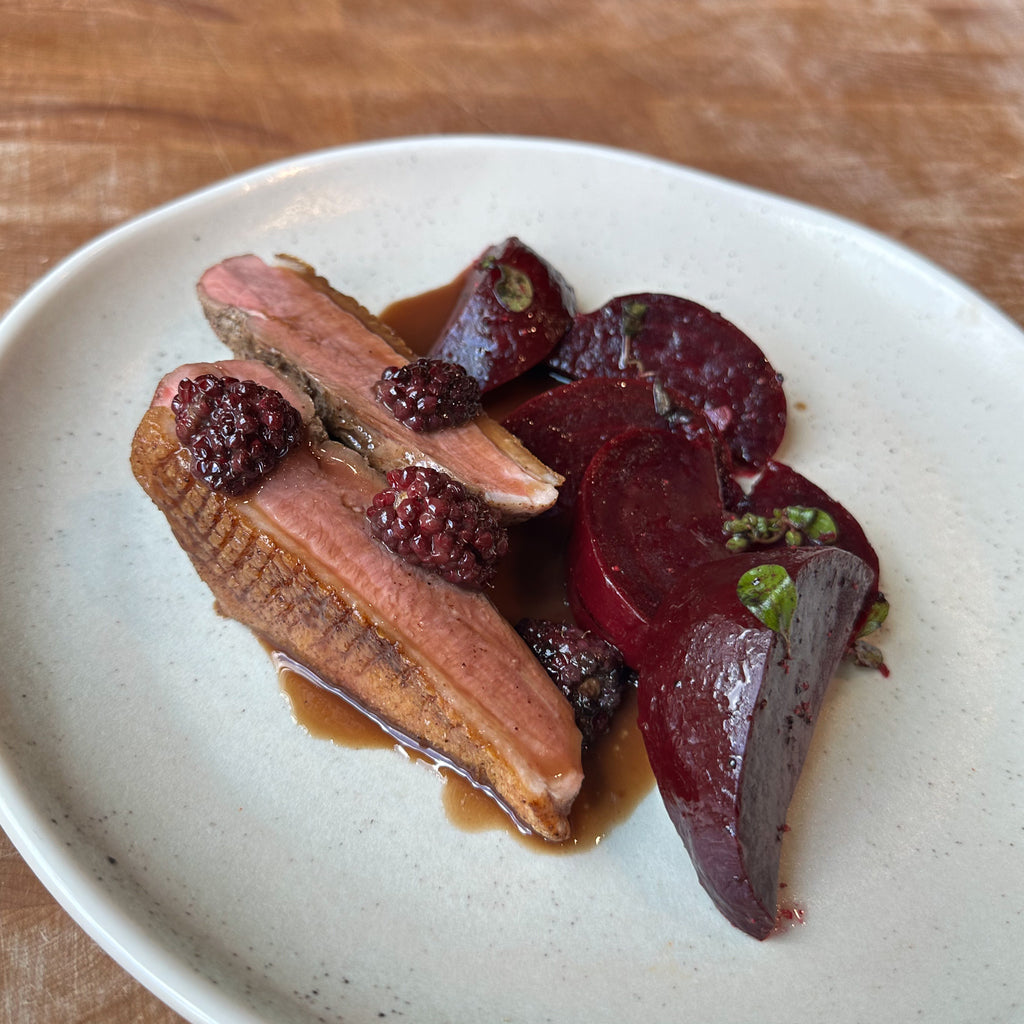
pixel 151 773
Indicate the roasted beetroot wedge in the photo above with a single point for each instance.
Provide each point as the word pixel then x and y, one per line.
pixel 649 507
pixel 513 309
pixel 727 704
pixel 698 353
pixel 294 560
pixel 565 426
pixel 291 319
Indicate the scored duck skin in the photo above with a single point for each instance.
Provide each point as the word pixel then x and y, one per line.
pixel 294 561
pixel 291 319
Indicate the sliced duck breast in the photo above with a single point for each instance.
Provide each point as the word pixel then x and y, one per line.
pixel 291 319
pixel 294 561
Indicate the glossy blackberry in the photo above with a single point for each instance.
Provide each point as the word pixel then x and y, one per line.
pixel 432 521
pixel 429 394
pixel 588 670
pixel 235 430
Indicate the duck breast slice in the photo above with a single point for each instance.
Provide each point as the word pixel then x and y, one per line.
pixel 291 319
pixel 294 561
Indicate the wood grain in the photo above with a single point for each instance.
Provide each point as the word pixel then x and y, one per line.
pixel 908 117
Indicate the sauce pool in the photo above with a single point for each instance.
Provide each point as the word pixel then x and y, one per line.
pixel 420 319
pixel 617 775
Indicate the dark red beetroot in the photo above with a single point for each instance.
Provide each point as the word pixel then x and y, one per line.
pixel 701 355
pixel 513 309
pixel 649 508
pixel 781 485
pixel 565 426
pixel 727 708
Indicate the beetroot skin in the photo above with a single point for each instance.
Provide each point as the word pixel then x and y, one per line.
pixel 513 309
pixel 727 708
pixel 696 352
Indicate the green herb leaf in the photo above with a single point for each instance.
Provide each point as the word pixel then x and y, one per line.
pixel 513 289
pixel 633 315
pixel 769 592
pixel 814 523
pixel 877 615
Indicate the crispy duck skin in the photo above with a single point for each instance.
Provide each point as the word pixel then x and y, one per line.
pixel 292 319
pixel 294 561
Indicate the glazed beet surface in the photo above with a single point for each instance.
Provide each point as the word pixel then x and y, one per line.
pixel 649 508
pixel 698 353
pixel 513 309
pixel 727 708
pixel 565 426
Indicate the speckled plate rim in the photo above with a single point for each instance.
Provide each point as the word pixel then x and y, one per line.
pixel 89 904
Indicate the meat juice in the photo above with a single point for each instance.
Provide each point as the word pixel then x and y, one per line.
pixel 617 775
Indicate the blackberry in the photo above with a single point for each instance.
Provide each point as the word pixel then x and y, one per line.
pixel 429 394
pixel 590 671
pixel 236 431
pixel 432 521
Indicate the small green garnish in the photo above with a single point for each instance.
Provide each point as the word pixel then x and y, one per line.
pixel 860 651
pixel 876 616
pixel 865 655
pixel 796 524
pixel 633 315
pixel 513 289
pixel 666 407
pixel 768 591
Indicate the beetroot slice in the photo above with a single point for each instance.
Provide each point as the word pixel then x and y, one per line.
pixel 781 485
pixel 701 355
pixel 727 709
pixel 649 507
pixel 566 425
pixel 513 309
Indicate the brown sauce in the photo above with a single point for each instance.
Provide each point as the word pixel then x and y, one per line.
pixel 530 583
pixel 617 775
pixel 419 319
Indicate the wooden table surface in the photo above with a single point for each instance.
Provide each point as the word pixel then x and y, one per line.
pixel 908 117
